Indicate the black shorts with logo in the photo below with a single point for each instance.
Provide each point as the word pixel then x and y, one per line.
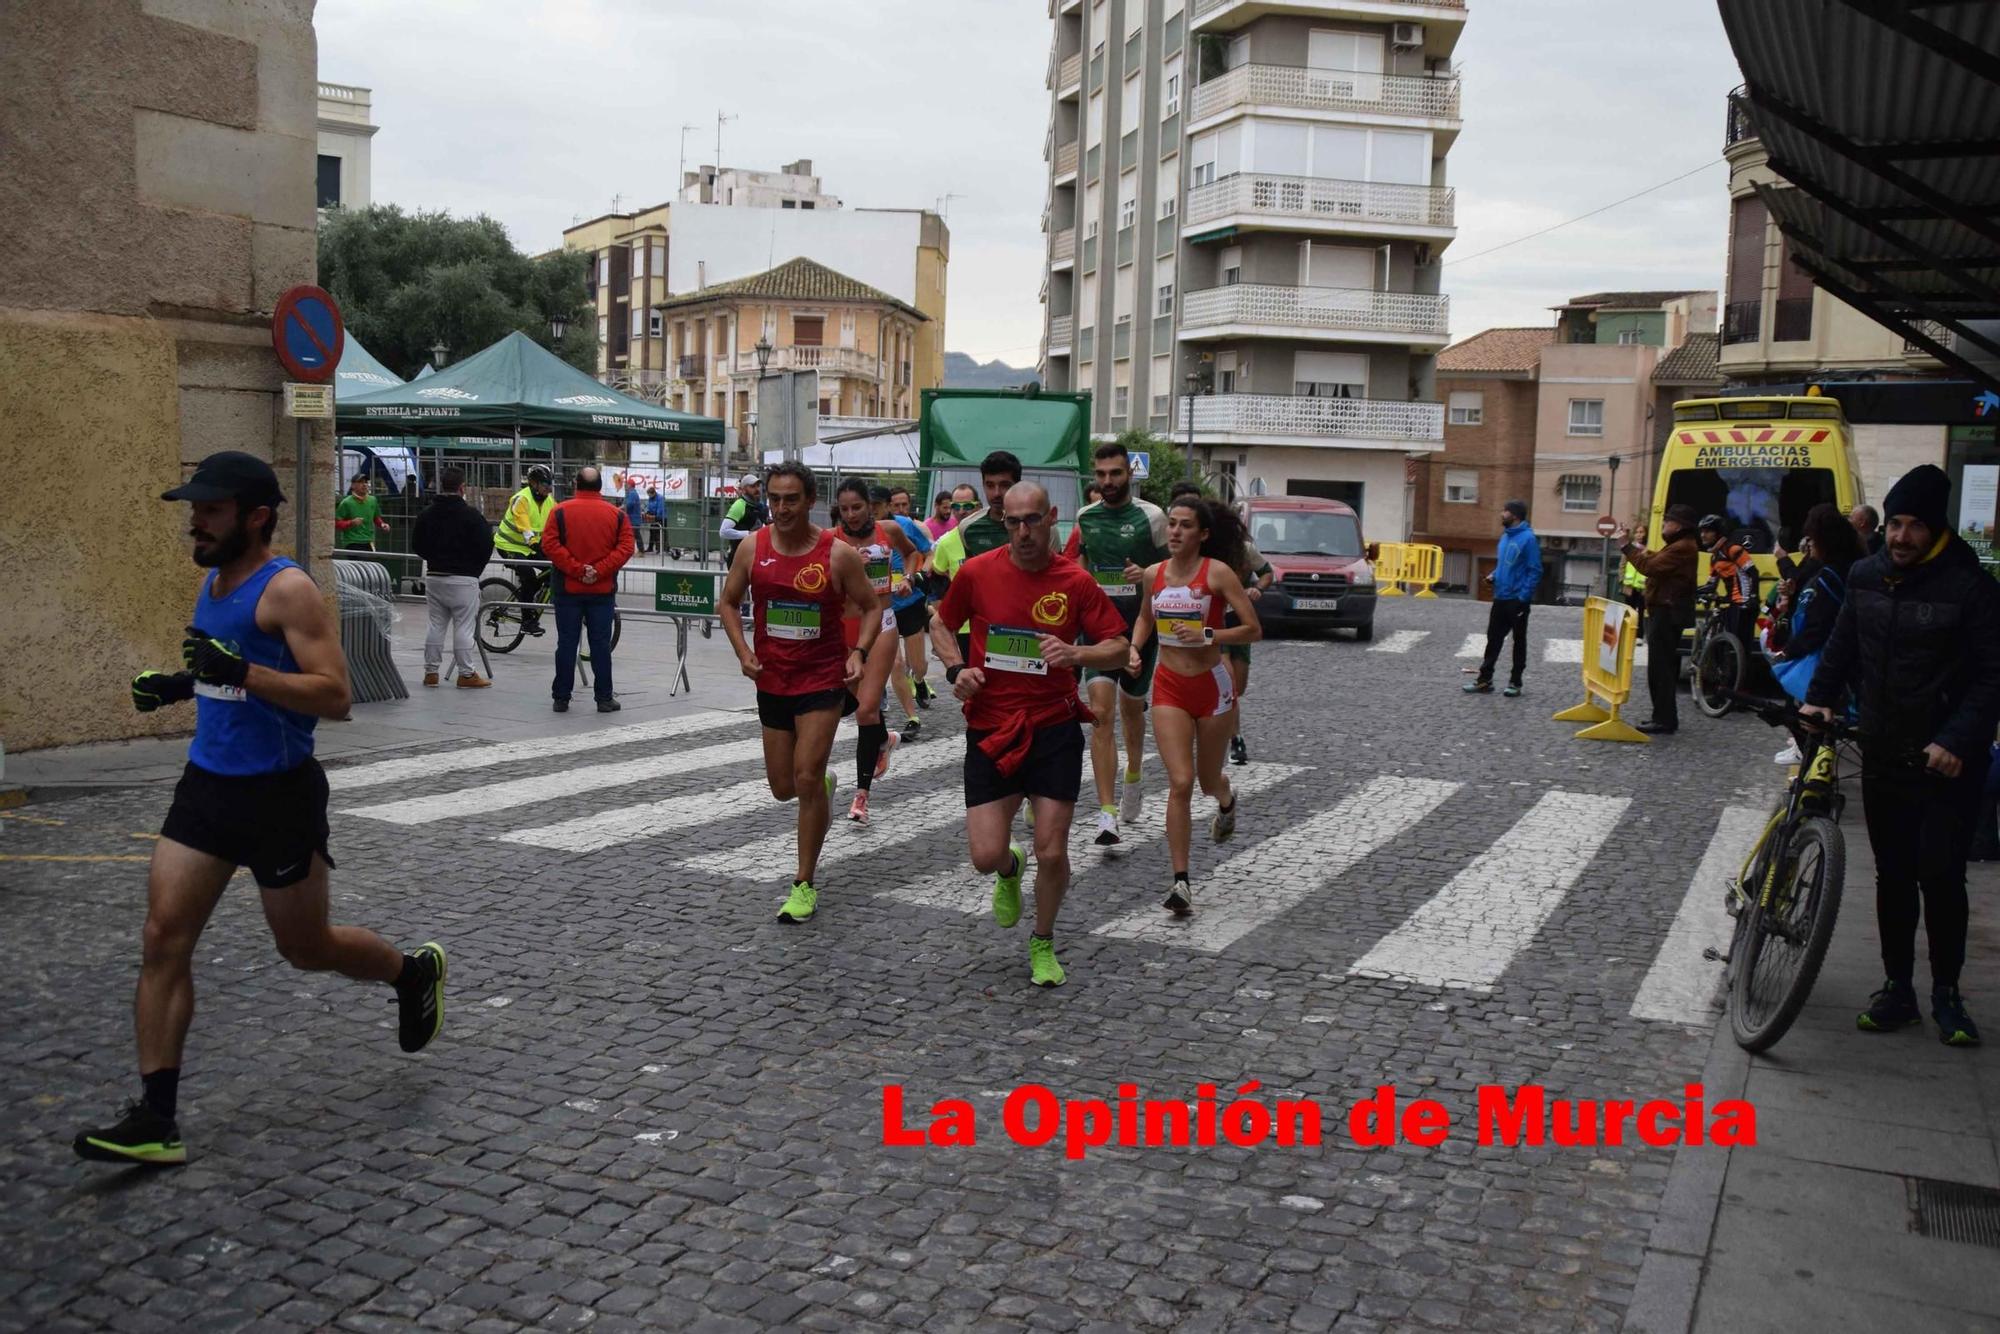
pixel 781 712
pixel 913 619
pixel 271 823
pixel 1053 769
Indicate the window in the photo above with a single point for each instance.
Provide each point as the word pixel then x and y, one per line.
pixel 1128 199
pixel 1161 381
pixel 1095 125
pixel 1461 486
pixel 1580 493
pixel 806 204
pixel 659 265
pixel 603 328
pixel 1173 84
pixel 1468 408
pixel 1086 309
pixel 847 328
pixel 1330 374
pixel 638 320
pixel 1166 306
pixel 788 203
pixel 808 330
pixel 1230 265
pixel 1121 399
pixel 1169 203
pixel 638 261
pixel 604 269
pixel 1225 372
pixel 653 324
pixel 1093 207
pixel 1586 416
pixel 1121 295
pixel 329 181
pixel 1131 108
pixel 1203 155
pixel 1628 337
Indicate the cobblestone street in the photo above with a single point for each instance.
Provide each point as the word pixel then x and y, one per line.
pixel 653 1106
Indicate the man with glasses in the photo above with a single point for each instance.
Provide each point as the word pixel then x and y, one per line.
pixel 1027 608
pixel 949 553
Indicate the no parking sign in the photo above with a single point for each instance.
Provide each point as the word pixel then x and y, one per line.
pixel 307 334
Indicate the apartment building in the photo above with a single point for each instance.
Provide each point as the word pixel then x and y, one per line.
pixel 1246 215
pixel 726 224
pixel 346 128
pixel 861 340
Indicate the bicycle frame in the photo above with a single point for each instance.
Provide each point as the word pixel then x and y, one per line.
pixel 1814 789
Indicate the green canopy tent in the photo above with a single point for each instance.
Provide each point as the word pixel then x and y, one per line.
pixel 360 373
pixel 517 390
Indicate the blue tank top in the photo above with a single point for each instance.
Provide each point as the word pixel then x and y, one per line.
pixel 235 733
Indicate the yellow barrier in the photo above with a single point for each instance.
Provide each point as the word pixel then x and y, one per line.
pixel 1610 633
pixel 1389 562
pixel 1407 563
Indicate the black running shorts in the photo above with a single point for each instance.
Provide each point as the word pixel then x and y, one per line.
pixel 780 713
pixel 271 823
pixel 913 619
pixel 1053 769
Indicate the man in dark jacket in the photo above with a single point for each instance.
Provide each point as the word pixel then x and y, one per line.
pixel 455 541
pixel 588 540
pixel 1670 579
pixel 1517 572
pixel 1919 641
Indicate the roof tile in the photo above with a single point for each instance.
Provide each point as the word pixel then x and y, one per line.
pixel 1497 351
pixel 797 279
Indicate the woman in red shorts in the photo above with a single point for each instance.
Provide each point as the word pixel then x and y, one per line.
pixel 857 526
pixel 1194 699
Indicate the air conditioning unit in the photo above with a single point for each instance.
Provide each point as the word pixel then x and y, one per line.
pixel 1405 36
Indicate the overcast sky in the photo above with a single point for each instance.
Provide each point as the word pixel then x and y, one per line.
pixel 540 112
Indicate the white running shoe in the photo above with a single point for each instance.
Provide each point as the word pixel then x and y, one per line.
pixel 1180 898
pixel 1131 801
pixel 1107 831
pixel 1223 823
pixel 1789 755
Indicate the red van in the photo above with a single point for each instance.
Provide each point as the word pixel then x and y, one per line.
pixel 1323 580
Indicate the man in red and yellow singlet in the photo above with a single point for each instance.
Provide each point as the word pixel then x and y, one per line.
pixel 1027 607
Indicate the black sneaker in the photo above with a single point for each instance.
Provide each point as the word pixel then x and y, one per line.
pixel 925 693
pixel 1238 752
pixel 1891 1008
pixel 1955 1026
pixel 420 1003
pixel 1478 687
pixel 143 1136
pixel 608 706
pixel 911 729
pixel 1180 898
pixel 533 628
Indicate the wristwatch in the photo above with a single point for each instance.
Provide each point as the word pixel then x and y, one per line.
pixel 951 673
pixel 1208 634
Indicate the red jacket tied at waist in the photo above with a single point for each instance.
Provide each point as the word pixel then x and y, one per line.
pixel 1007 745
pixel 588 530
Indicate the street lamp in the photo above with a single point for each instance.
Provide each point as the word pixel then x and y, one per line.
pixel 438 353
pixel 763 349
pixel 558 326
pixel 1193 387
pixel 1612 567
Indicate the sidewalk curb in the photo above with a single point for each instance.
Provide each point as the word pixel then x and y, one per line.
pixel 10 797
pixel 1670 1275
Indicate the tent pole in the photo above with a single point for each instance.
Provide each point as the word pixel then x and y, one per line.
pixel 515 480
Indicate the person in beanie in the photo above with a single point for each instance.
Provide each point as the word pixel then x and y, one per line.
pixel 1918 640
pixel 1517 572
pixel 1670 579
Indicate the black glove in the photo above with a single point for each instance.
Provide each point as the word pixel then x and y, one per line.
pixel 151 690
pixel 213 662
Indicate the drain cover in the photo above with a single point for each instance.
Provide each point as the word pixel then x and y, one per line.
pixel 1954 1211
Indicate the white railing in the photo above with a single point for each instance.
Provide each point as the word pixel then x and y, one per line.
pixel 1334 308
pixel 1203 8
pixel 1062 331
pixel 1316 199
pixel 1062 246
pixel 840 360
pixel 1291 414
pixel 1328 90
pixel 1066 159
pixel 343 92
pixel 1070 72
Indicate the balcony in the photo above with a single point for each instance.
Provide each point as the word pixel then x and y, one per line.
pixel 1740 321
pixel 1791 319
pixel 1069 76
pixel 1062 334
pixel 1338 92
pixel 1932 330
pixel 1736 126
pixel 693 368
pixel 1229 15
pixel 345 103
pixel 1062 249
pixel 1360 423
pixel 826 360
pixel 1311 203
pixel 1066 160
pixel 1349 314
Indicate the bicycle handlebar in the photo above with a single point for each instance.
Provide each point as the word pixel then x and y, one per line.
pixel 1786 713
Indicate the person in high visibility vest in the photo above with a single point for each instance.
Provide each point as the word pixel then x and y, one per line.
pixel 520 536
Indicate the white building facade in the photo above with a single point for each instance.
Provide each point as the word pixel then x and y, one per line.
pixel 1247 200
pixel 346 129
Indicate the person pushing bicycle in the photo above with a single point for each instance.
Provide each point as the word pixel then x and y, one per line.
pixel 1918 641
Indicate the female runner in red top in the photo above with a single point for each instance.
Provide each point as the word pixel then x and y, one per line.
pixel 799 580
pixel 874 540
pixel 1194 697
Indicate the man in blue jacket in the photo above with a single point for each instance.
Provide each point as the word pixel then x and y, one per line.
pixel 1515 577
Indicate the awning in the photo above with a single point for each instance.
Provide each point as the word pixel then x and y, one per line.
pixel 1884 117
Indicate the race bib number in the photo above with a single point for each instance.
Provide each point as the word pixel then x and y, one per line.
pixel 1111 578
pixel 878 574
pixel 1014 650
pixel 792 620
pixel 232 694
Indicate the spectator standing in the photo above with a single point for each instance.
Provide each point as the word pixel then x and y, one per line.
pixel 358 517
pixel 1869 525
pixel 1918 640
pixel 455 541
pixel 635 508
pixel 519 540
pixel 1517 573
pixel 656 518
pixel 588 540
pixel 1670 579
pixel 745 515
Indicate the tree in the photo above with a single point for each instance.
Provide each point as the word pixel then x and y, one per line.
pixel 407 280
pixel 1169 465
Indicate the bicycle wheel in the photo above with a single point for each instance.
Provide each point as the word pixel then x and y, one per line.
pixel 1779 951
pixel 1718 674
pixel 499 626
pixel 617 627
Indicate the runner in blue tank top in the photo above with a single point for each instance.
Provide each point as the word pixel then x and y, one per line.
pixel 263 666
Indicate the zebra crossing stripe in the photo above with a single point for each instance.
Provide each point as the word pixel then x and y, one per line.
pixel 646 819
pixel 1262 883
pixel 1474 646
pixel 961 887
pixel 566 783
pixel 1680 987
pixel 1469 931
pixel 1401 642
pixel 509 752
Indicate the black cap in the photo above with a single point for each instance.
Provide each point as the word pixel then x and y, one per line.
pixel 230 475
pixel 1517 508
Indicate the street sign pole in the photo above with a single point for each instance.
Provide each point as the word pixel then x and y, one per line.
pixel 308 334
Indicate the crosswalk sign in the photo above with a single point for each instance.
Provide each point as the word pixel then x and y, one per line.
pixel 1142 463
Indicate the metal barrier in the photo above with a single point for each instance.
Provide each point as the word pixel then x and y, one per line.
pixel 1610 633
pixel 1418 564
pixel 364 591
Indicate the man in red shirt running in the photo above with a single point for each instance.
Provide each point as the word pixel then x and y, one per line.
pixel 1027 606
pixel 801 582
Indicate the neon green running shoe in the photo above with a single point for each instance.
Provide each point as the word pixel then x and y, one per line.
pixel 1007 889
pixel 800 903
pixel 829 787
pixel 1042 965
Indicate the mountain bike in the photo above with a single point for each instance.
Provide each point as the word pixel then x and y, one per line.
pixel 1787 896
pixel 1719 664
pixel 502 614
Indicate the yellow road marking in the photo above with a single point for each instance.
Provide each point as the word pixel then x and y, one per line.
pixel 67 857
pixel 30 819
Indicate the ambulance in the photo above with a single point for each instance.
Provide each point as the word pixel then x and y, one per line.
pixel 1760 463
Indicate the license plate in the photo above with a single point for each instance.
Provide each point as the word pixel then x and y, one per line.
pixel 1316 604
